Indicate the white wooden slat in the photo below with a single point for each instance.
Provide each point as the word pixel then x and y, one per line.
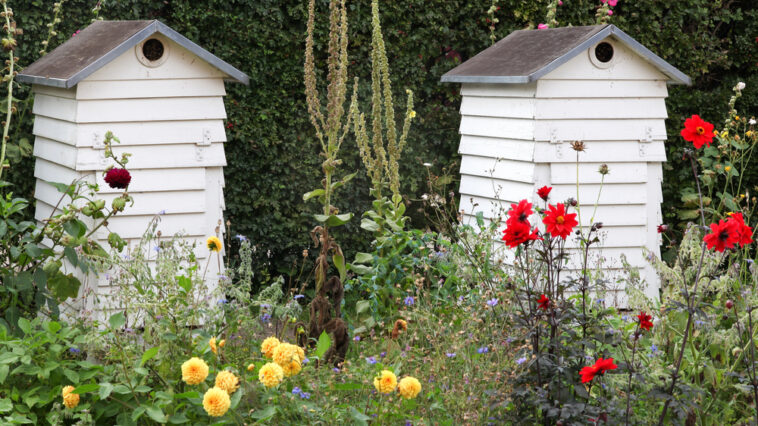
pixel 520 171
pixel 135 226
pixel 58 130
pixel 161 109
pixel 214 196
pixel 601 89
pixel 494 188
pixel 612 194
pixel 608 258
pixel 498 107
pixel 601 152
pixel 55 107
pixel 610 215
pixel 153 132
pixel 562 109
pixel 497 127
pixel 181 64
pixel 157 156
pixel 172 202
pixel 599 130
pixel 56 152
pixel 497 148
pixel 52 172
pixel 164 88
pixel 157 180
pixel 626 65
pixel 49 194
pixel 588 173
pixel 504 90
pixel 54 91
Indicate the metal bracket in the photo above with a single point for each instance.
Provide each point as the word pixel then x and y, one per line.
pixel 558 143
pixel 645 141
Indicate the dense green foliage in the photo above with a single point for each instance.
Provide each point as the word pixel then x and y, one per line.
pixel 272 150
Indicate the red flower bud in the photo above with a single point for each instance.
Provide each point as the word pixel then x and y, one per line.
pixel 729 304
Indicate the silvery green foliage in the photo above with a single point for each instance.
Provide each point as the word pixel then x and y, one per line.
pixel 273 301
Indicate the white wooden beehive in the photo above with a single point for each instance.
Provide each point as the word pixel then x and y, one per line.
pixel 531 94
pixel 167 111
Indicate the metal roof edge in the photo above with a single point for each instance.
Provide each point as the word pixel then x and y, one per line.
pixel 207 56
pixel 677 77
pixel 43 81
pixel 508 79
pixel 557 62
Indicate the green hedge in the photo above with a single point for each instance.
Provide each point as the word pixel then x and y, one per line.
pixel 272 151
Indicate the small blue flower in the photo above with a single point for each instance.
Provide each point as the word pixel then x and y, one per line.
pixel 157 249
pixel 240 237
pixel 460 298
pixel 222 301
pixel 299 296
pixel 483 350
pixel 266 317
pixel 296 390
pixel 509 340
pixel 699 322
pixel 306 361
pixel 265 306
pixel 371 360
pixel 336 370
pixel 492 302
pixel 625 318
pixel 162 212
pixel 521 360
pixel 408 423
pixel 222 277
pixel 74 350
pixel 357 338
pixel 159 317
pixel 383 354
pixel 450 354
pixel 305 395
pixel 409 301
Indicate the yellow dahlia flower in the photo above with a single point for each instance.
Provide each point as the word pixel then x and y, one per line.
pixel 227 381
pixel 285 353
pixel 409 387
pixel 216 402
pixel 70 400
pixel 212 343
pixel 385 382
pixel 214 244
pixel 251 367
pixel 268 346
pixel 292 368
pixel 194 371
pixel 271 375
pixel 300 353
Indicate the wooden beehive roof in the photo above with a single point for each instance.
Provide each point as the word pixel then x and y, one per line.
pixel 526 55
pixel 102 42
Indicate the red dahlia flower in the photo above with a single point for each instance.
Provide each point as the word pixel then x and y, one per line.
pixel 601 366
pixel 519 212
pixel 662 228
pixel 544 191
pixel 557 222
pixel 544 302
pixel 517 232
pixel 645 321
pixel 724 235
pixel 118 178
pixel 744 232
pixel 697 131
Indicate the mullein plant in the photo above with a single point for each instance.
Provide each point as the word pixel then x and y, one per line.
pixel 381 146
pixel 325 315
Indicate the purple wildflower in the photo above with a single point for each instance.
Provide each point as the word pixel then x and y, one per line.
pixel 492 302
pixel 409 301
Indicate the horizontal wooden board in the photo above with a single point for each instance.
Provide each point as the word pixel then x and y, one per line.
pixel 504 90
pixel 157 156
pixel 498 107
pixel 55 152
pixel 611 194
pixel 599 130
pixel 160 109
pixel 55 107
pixel 171 202
pixel 57 130
pixel 157 180
pixel 566 173
pixel 494 188
pixel 565 109
pixel 520 171
pixel 601 152
pixel 626 65
pixel 577 89
pixel 497 127
pixel 53 172
pixel 163 88
pixel 54 91
pixel 513 149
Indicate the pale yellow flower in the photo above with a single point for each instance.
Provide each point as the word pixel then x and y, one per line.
pixel 285 353
pixel 214 244
pixel 268 346
pixel 212 344
pixel 412 114
pixel 222 343
pixel 727 168
pixel 271 375
pixel 227 381
pixel 251 367
pixel 194 371
pixel 216 402
pixel 409 387
pixel 70 400
pixel 385 382
pixel 292 368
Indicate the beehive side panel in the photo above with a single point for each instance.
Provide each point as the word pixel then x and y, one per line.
pixel 54 129
pixel 491 106
pixel 494 188
pixel 54 91
pixel 163 88
pixel 519 171
pixel 55 107
pixel 151 203
pixel 617 151
pixel 580 89
pixel 55 152
pixel 159 109
pixel 598 109
pixel 153 132
pixel 157 156
pixel 53 172
pixel 130 227
pixel 159 180
pixel 518 150
pixel 501 90
pixel 627 172
pixel 497 127
pixel 600 130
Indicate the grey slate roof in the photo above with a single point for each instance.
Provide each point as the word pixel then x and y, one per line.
pixel 526 55
pixel 102 42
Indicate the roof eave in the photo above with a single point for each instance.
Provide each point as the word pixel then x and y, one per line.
pixel 675 76
pixel 507 79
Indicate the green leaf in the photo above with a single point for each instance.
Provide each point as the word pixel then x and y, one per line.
pixel 3 228
pixel 3 373
pixel 334 220
pixel 150 353
pixel 363 258
pixel 156 414
pixel 71 255
pixel 178 418
pixel 53 327
pixel 64 188
pixel 359 417
pixel 105 390
pixel 71 375
pixel 117 320
pixel 370 225
pixel 236 399
pixel 362 306
pixel 89 387
pixel 74 228
pixel 347 386
pixel 5 405
pixel 25 325
pixel 339 263
pixel 264 414
pixel 360 269
pixel 315 193
pixel 187 395
pixel 324 342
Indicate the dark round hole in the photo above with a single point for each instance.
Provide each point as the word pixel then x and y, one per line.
pixel 604 52
pixel 152 49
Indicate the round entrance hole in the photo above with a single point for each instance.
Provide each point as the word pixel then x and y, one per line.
pixel 153 49
pixel 604 52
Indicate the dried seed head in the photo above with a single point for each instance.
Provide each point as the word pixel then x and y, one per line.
pixel 603 170
pixel 578 146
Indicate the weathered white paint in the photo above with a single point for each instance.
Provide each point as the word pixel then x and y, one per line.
pixel 610 215
pixel 579 89
pixel 154 109
pixel 498 168
pixel 606 108
pixel 505 90
pixel 165 88
pixel 157 156
pixel 498 107
pixel 521 150
pixel 498 127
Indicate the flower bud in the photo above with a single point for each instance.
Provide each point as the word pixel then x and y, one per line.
pixel 729 304
pixel 118 204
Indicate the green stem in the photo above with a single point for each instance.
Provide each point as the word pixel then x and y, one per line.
pixel 9 101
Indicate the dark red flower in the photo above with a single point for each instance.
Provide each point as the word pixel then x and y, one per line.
pixel 744 232
pixel 601 366
pixel 544 191
pixel 118 178
pixel 557 222
pixel 519 212
pixel 544 302
pixel 645 321
pixel 697 131
pixel 517 232
pixel 724 235
pixel 662 228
